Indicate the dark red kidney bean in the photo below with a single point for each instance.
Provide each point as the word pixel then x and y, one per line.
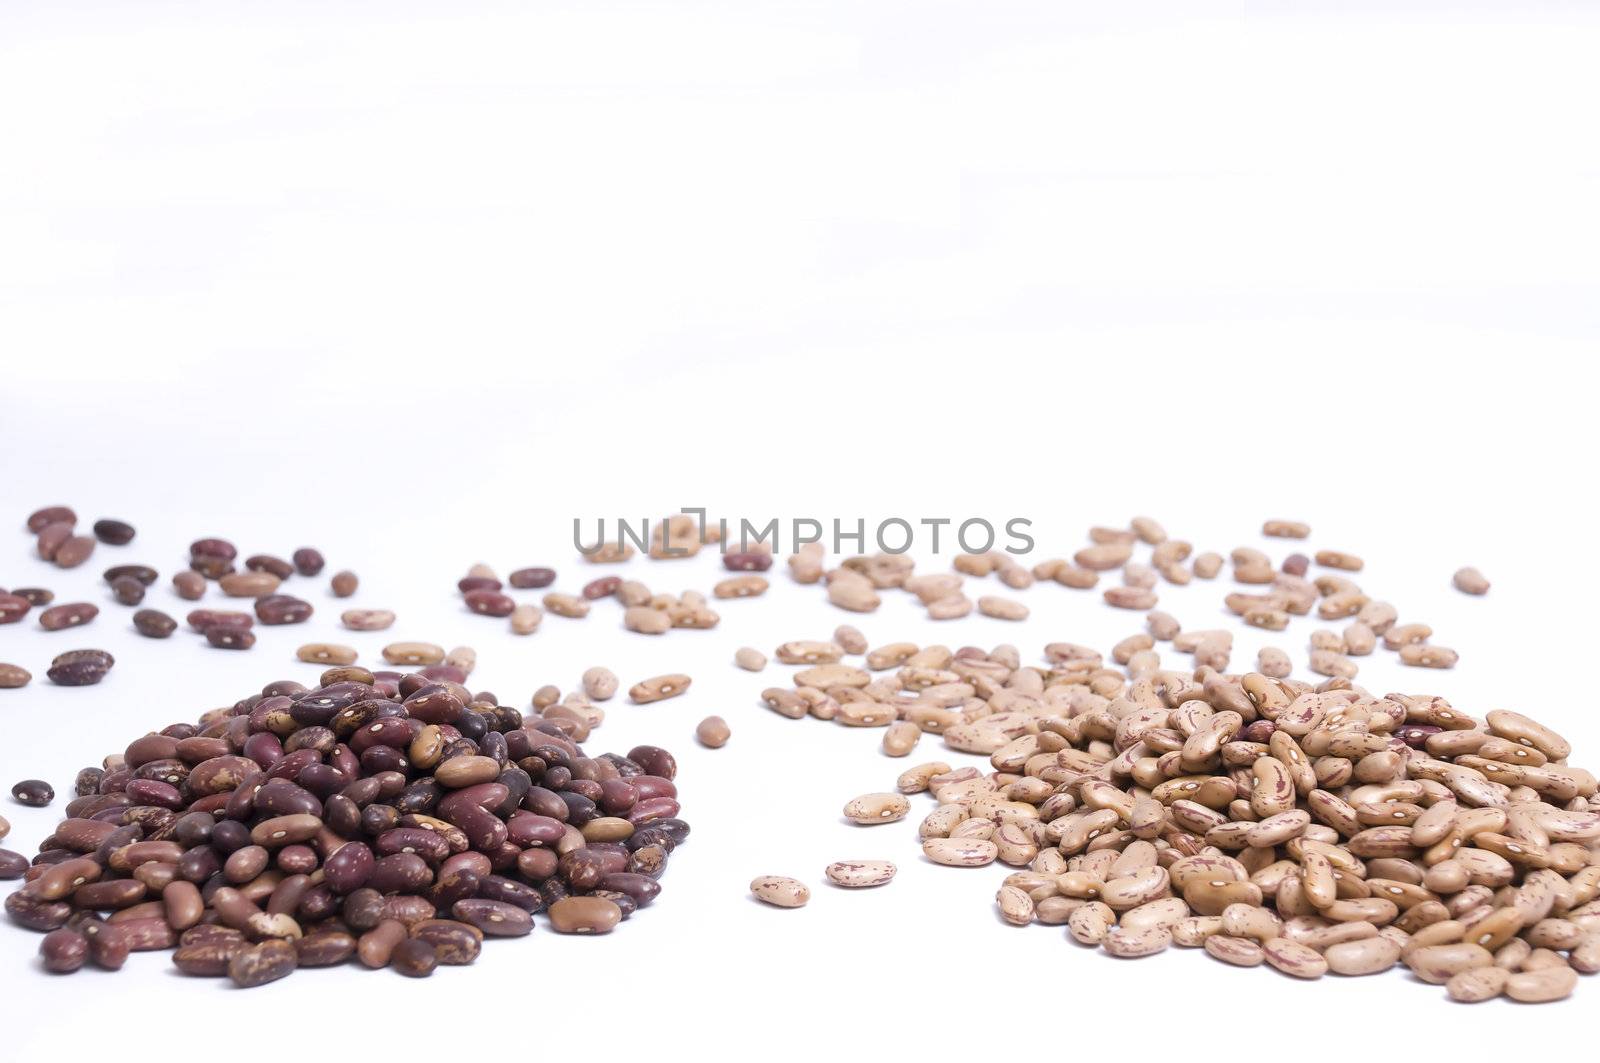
pixel 267 563
pixel 494 918
pixel 40 519
pixel 211 566
pixel 454 943
pixel 127 590
pixel 642 888
pixel 617 796
pixel 747 561
pixel 414 958
pixel 151 792
pixel 320 903
pixel 63 951
pixel 71 614
pixel 282 609
pixel 74 552
pixel 673 828
pixel 468 584
pixel 35 793
pixel 225 637
pixel 650 786
pixel 113 532
pixel 604 587
pixel 189 584
pixel 109 894
pixel 490 603
pixel 510 891
pixel 452 885
pixel 13 607
pixel 424 843
pixel 532 578
pixel 308 561
pixel 626 905
pixel 87 781
pixel 51 537
pixel 108 945
pixel 362 909
pixel 100 657
pixel 214 548
pixel 401 873
pixel 1296 564
pixel 154 624
pixel 296 860
pixel 325 948
pixel 143 573
pixel 12 865
pixel 208 959
pixel 203 620
pixel 266 962
pixel 650 860
pixel 530 829
pixel 35 913
pixel 654 760
pixel 35 595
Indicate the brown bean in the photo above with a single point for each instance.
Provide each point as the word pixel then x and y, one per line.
pixel 75 551
pixel 40 519
pixel 189 584
pixel 71 614
pixel 154 624
pixel 712 732
pixel 658 688
pixel 367 620
pixel 584 915
pixel 344 584
pixel 263 963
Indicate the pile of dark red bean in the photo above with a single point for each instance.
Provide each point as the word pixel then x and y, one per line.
pixel 394 818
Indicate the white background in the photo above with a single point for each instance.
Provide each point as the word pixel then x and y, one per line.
pixel 420 283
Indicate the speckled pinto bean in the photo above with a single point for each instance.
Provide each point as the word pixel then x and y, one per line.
pixel 870 809
pixel 780 891
pixel 860 874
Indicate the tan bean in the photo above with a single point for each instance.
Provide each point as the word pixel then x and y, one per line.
pixel 1423 655
pixel 1542 985
pixel 1470 581
pixel 1286 529
pixel 423 653
pixel 750 659
pixel 901 738
pixel 712 732
pixel 658 688
pixel 367 619
pixel 1002 608
pixel 871 809
pixel 326 653
pixel 1362 956
pixel 1477 984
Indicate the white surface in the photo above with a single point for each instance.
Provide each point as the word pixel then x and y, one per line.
pixel 419 286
